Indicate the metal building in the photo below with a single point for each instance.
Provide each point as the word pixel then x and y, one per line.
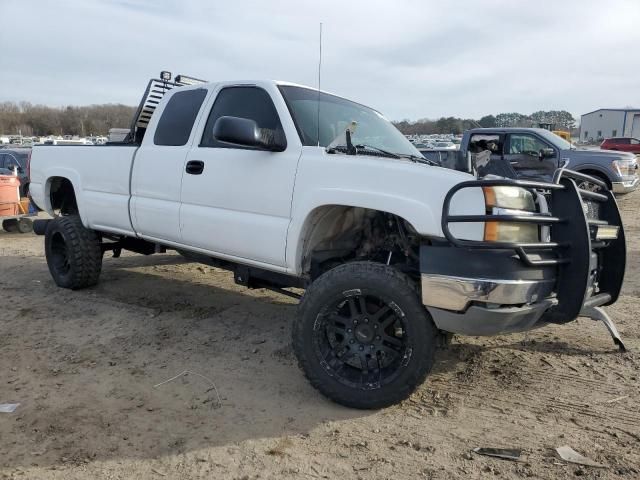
pixel 610 122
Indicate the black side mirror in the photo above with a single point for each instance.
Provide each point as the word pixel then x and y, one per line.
pixel 547 153
pixel 245 132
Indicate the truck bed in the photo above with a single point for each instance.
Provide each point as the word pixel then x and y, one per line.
pixel 103 190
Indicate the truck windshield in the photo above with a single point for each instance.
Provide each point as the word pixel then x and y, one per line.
pixel 368 127
pixel 556 140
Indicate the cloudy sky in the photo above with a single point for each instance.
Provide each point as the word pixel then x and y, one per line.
pixel 407 58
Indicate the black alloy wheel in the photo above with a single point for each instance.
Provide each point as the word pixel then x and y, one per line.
pixel 360 340
pixel 363 337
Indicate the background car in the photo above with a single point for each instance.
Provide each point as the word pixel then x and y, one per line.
pixel 623 144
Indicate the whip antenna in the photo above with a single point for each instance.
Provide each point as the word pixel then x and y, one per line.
pixel 319 80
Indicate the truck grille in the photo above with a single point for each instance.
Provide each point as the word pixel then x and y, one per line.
pixel 591 209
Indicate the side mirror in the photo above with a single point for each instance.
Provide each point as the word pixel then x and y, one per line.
pixel 245 132
pixel 547 153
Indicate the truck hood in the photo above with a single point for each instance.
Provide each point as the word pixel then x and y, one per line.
pixel 586 155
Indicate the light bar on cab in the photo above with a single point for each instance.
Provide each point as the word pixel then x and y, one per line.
pixel 185 80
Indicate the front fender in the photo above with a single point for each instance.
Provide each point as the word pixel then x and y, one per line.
pixel 594 167
pixel 412 191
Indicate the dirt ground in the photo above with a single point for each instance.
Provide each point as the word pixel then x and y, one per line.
pixel 84 367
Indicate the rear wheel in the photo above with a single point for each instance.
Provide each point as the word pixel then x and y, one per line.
pixel 73 252
pixel 363 337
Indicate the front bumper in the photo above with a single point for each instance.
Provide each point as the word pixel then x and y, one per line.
pixel 625 186
pixel 483 288
pixel 481 306
pixel 456 293
pixel 484 292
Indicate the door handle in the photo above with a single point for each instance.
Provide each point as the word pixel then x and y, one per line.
pixel 195 167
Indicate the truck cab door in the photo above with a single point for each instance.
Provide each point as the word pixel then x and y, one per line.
pixel 531 157
pixel 236 200
pixel 158 166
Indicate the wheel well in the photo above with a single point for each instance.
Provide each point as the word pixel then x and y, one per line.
pixel 598 174
pixel 336 234
pixel 62 195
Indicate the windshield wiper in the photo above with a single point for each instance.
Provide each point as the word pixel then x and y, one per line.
pixel 386 153
pixel 361 147
pixel 380 150
pixel 417 159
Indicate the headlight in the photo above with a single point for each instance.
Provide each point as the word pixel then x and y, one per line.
pixel 625 167
pixel 509 201
pixel 514 198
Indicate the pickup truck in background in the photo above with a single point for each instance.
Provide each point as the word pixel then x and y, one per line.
pixel 623 144
pixel 289 187
pixel 536 153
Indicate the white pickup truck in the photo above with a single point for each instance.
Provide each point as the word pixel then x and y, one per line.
pixel 289 187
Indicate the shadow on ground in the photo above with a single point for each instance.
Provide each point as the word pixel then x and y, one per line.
pixel 83 364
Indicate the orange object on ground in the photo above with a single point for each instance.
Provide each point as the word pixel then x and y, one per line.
pixel 9 196
pixel 24 205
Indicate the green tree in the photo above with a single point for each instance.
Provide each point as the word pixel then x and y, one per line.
pixel 488 121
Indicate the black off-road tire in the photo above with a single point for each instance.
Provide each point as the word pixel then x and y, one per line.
pixel 73 252
pixel 371 280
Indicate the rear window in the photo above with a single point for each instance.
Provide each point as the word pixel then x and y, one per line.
pixel 178 117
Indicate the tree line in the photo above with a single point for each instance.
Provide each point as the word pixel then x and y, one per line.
pixel 40 120
pixel 560 119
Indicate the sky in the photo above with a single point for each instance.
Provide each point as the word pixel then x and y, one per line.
pixel 409 59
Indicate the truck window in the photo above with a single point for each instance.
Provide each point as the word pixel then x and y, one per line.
pixel 178 117
pixel 526 144
pixel 244 102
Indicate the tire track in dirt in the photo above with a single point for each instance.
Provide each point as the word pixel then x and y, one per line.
pixel 574 397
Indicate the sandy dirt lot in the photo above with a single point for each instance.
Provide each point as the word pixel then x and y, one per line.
pixel 83 366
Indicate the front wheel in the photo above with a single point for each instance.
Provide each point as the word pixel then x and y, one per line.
pixel 363 337
pixel 592 187
pixel 74 253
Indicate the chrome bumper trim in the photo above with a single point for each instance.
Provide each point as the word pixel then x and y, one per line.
pixel 455 293
pixel 625 186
